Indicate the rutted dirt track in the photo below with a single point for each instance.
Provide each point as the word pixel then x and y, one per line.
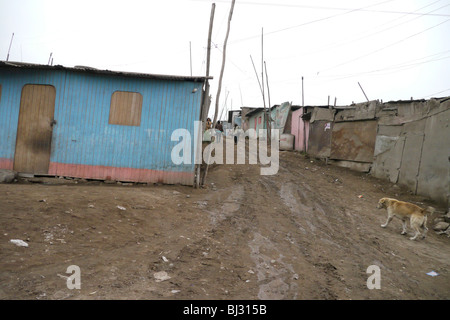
pixel 301 234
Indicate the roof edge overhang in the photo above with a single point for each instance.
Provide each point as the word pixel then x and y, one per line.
pixel 12 64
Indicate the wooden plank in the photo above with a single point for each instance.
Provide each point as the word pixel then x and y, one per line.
pixel 353 141
pixel 126 108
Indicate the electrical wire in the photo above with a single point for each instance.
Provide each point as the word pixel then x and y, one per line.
pixel 339 44
pixel 383 30
pixel 436 93
pixel 308 23
pixel 388 70
pixel 382 48
pixel 364 9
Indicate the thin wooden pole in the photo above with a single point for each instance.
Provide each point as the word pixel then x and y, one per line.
pixel 7 57
pixel 223 63
pixel 257 78
pixel 303 95
pixel 220 80
pixel 208 54
pixel 240 91
pixel 267 111
pixel 363 92
pixel 262 62
pixel 224 105
pixel 264 100
pixel 190 56
pixel 267 80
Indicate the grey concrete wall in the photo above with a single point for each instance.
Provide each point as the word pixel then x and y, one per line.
pixel 412 146
pixel 412 142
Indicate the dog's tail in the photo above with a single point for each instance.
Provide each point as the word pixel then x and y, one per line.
pixel 428 210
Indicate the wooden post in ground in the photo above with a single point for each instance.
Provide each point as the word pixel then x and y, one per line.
pixel 206 100
pixel 220 81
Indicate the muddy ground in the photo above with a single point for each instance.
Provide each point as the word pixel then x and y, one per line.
pixel 308 232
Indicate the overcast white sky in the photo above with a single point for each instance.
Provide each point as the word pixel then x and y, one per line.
pixel 396 49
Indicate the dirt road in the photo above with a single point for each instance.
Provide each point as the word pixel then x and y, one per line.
pixel 309 232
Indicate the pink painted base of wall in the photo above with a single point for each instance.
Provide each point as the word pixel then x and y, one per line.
pixel 120 174
pixel 6 164
pixel 112 173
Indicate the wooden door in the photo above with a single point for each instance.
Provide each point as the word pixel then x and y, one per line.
pixel 34 132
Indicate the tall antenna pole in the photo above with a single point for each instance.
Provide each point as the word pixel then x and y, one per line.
pixel 7 57
pixel 267 80
pixel 262 61
pixel 303 95
pixel 240 91
pixel 267 111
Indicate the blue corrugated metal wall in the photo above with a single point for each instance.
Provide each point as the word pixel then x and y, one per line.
pixel 82 134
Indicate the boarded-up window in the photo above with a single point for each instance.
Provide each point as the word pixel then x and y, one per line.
pixel 126 108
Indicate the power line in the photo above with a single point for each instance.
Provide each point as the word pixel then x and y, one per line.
pixel 436 93
pixel 309 22
pixel 388 70
pixel 402 66
pixel 364 9
pixel 383 30
pixel 382 48
pixel 341 43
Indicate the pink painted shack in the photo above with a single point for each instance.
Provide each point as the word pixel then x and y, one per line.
pixel 300 127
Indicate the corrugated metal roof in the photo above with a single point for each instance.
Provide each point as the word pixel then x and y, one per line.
pixel 105 72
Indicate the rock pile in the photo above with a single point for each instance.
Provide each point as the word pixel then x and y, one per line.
pixel 7 176
pixel 442 224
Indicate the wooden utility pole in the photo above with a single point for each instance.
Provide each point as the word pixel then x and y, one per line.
pixel 206 100
pixel 220 80
pixel 208 53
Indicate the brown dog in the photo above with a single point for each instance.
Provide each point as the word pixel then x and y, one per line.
pixel 405 210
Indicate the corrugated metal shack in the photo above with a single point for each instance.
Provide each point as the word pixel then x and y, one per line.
pixel 256 120
pixel 95 124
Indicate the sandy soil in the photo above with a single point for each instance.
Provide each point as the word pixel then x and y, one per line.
pixel 309 232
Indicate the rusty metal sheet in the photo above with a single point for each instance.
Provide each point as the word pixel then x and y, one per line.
pixel 354 141
pixel 320 138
